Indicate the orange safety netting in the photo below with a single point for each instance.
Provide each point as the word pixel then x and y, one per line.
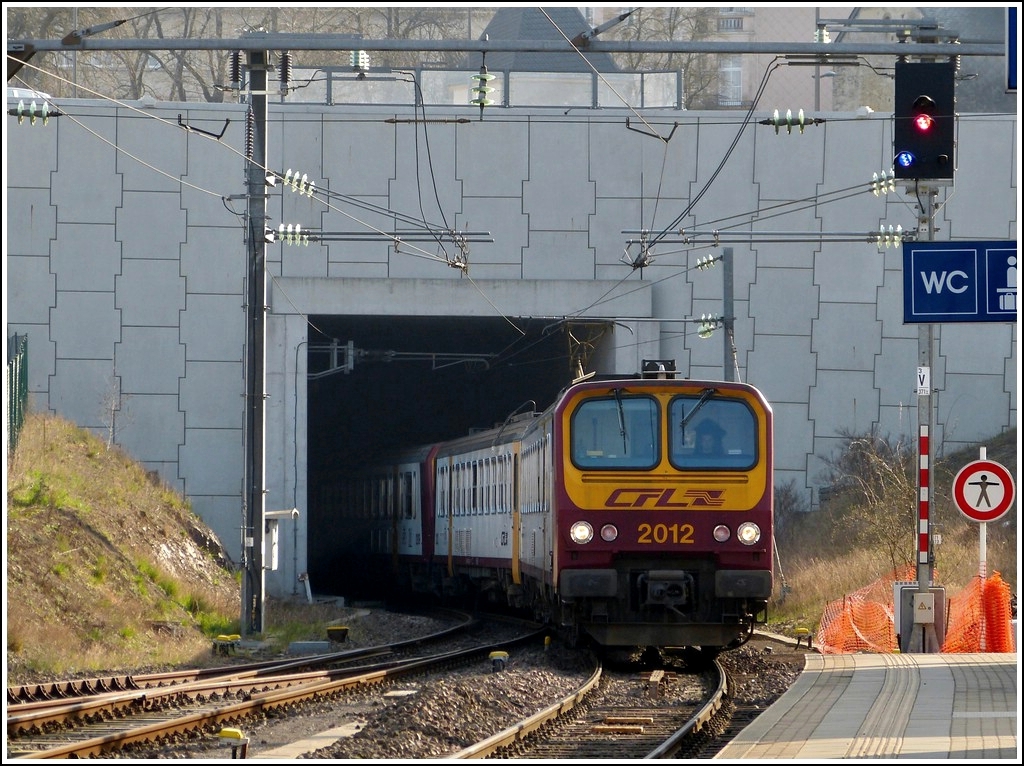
pixel 978 619
pixel 862 621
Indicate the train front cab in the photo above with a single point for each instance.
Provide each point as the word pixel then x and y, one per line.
pixel 658 544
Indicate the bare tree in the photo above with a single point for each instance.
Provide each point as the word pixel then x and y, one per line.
pixel 789 504
pixel 875 506
pixel 669 22
pixel 185 75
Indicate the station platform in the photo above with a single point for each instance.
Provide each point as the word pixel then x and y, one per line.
pixel 891 706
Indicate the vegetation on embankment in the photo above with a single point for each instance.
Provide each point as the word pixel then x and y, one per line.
pixel 106 567
pixel 866 529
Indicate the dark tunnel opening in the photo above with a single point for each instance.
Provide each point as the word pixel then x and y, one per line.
pixel 413 381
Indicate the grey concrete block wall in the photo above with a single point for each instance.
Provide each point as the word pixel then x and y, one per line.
pixel 126 266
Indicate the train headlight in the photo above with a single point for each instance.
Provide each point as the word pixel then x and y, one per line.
pixel 748 533
pixel 722 533
pixel 581 532
pixel 609 532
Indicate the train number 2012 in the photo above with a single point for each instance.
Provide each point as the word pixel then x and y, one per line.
pixel 677 534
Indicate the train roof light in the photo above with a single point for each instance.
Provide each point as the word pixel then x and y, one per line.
pixel 664 369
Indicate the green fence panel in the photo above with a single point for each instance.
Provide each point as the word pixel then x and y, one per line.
pixel 17 388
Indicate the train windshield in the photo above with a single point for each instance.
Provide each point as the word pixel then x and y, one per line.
pixel 620 431
pixel 707 432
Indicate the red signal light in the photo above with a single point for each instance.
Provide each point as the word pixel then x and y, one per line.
pixel 923 122
pixel 924 108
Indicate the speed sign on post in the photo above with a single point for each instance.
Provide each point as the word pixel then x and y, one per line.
pixel 983 490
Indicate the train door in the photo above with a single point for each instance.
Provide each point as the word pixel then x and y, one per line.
pixel 443 512
pixel 511 480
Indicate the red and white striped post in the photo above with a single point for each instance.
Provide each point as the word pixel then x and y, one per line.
pixel 923 507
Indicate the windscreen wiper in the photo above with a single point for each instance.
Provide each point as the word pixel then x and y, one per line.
pixel 622 418
pixel 706 394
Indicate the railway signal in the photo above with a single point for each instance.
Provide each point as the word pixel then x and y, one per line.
pixel 923 141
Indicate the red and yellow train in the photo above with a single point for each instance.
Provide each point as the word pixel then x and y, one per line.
pixel 635 511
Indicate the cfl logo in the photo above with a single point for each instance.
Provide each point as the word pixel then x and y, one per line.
pixel 668 498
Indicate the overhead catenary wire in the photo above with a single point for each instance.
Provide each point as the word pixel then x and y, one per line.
pixel 410 249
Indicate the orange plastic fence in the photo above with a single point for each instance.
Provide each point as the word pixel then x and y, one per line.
pixel 978 619
pixel 862 621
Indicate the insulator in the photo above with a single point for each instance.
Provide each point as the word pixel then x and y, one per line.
pixel 481 89
pixel 360 61
pixel 235 75
pixel 250 134
pixel 286 70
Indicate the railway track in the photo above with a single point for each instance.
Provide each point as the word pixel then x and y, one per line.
pixel 75 690
pixel 615 715
pixel 442 705
pixel 102 721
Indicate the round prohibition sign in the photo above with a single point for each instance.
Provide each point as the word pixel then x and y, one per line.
pixel 983 490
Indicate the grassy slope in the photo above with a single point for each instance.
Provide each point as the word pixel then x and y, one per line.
pixel 106 567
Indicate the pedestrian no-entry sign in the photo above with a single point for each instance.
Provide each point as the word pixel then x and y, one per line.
pixel 983 490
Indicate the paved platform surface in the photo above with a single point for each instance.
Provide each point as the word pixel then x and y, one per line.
pixel 886 706
pixel 298 749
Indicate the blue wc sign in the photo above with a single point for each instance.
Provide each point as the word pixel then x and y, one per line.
pixel 960 281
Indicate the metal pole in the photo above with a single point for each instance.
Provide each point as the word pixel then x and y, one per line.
pixel 728 367
pixel 256 299
pixel 74 57
pixel 924 634
pixel 817 68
